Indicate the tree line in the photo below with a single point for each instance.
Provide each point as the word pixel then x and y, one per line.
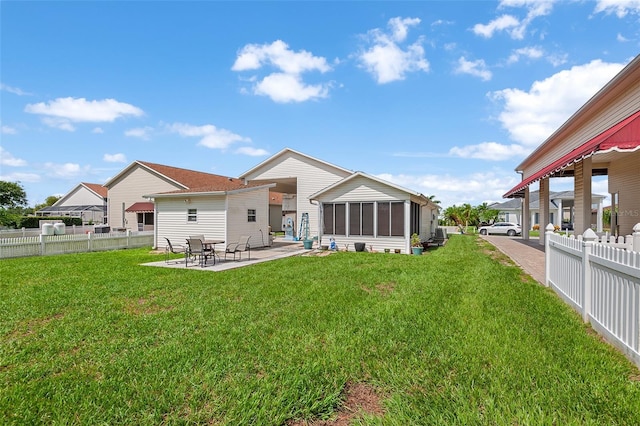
pixel 468 215
pixel 13 204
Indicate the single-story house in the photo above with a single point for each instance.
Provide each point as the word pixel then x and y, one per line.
pixel 127 206
pixel 365 209
pixel 87 201
pixel 318 197
pixel 222 210
pixel 561 209
pixel 601 138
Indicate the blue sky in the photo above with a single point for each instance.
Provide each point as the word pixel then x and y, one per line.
pixel 443 97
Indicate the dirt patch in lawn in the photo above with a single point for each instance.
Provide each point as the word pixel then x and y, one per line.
pixel 359 399
pixel 383 289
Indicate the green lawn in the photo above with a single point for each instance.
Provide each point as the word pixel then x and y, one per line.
pixel 456 336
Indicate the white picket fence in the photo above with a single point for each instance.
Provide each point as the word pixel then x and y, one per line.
pixel 43 245
pixel 599 278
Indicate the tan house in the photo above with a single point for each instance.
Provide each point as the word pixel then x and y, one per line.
pixel 127 205
pixel 601 138
pixel 324 201
pixel 87 201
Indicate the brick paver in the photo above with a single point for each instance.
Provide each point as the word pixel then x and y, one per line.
pixel 529 255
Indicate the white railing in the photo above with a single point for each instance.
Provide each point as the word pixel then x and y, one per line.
pixel 43 245
pixel 601 280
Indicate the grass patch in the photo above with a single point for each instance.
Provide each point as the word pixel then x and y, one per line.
pixel 456 336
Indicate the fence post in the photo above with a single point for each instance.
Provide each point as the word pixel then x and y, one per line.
pixel 636 238
pixel 547 253
pixel 42 247
pixel 588 239
pixel 128 237
pixel 89 245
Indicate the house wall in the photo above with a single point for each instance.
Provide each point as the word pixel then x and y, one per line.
pixel 624 178
pixel 361 189
pixel 312 176
pixel 237 219
pixel 129 189
pixel 171 219
pixel 625 105
pixel 81 196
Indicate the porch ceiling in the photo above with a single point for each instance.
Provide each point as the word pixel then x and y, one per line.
pixel 284 185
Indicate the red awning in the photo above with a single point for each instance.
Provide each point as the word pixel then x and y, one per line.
pixel 623 136
pixel 143 207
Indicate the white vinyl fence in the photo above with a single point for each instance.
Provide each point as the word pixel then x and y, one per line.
pixel 600 279
pixel 43 245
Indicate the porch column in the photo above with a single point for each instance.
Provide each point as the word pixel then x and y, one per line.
pixel 407 226
pixel 560 215
pixel 599 217
pixel 582 191
pixel 544 208
pixel 526 215
pixel 614 216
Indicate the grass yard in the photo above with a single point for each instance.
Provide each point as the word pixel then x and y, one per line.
pixel 456 336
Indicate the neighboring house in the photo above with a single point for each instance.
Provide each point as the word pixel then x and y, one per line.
pixel 511 211
pixel 601 138
pixel 365 209
pixel 224 209
pixel 297 176
pixel 128 208
pixel 346 206
pixel 86 200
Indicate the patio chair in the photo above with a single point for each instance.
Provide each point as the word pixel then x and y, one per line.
pixel 197 249
pixel 171 248
pixel 238 247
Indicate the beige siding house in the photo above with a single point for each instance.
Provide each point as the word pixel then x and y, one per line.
pixel 297 176
pixel 365 209
pixel 601 138
pixel 87 201
pixel 221 212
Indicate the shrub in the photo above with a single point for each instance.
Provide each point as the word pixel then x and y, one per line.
pixel 536 227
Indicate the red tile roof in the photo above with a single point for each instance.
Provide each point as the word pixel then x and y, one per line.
pixel 97 188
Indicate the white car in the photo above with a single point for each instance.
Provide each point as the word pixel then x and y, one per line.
pixel 501 228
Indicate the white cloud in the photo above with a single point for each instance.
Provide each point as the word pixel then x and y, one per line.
pixel 21 177
pixel 620 7
pixel 253 152
pixel 8 130
pixel 501 23
pixel 621 38
pixel 286 83
pixel 531 116
pixel 97 130
pixel 285 88
pixel 211 136
pixel 385 59
pixel 459 188
pixel 527 52
pixel 492 151
pixel 65 171
pixel 516 28
pixel 7 159
pixel 143 133
pixel 475 68
pixel 14 90
pixel 114 158
pixel 61 112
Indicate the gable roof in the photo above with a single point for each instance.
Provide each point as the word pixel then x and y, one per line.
pixel 187 180
pixel 355 175
pixel 291 151
pixel 95 188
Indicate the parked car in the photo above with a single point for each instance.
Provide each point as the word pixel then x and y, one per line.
pixel 501 228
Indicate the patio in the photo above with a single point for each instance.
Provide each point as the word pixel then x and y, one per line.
pixel 278 250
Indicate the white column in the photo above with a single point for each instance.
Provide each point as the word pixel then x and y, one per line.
pixel 526 215
pixel 544 208
pixel 559 215
pixel 614 216
pixel 407 226
pixel 599 217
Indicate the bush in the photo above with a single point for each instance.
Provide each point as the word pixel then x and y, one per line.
pixel 34 221
pixel 536 227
